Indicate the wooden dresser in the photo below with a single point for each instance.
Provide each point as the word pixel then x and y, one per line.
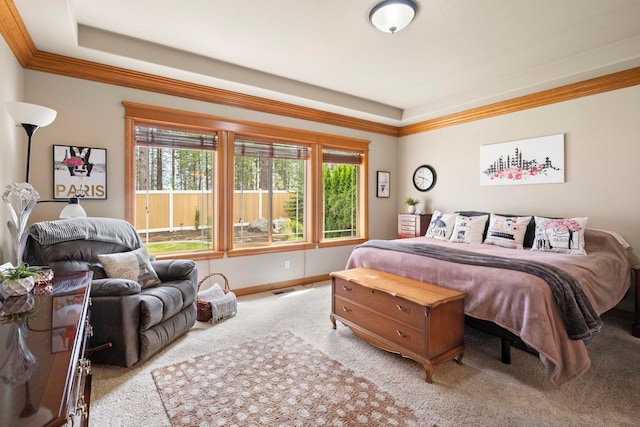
pixel 45 376
pixel 410 225
pixel 420 321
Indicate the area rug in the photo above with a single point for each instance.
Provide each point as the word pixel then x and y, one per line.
pixel 276 380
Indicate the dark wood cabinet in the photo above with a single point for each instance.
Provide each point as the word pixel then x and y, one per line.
pixel 46 377
pixel 410 225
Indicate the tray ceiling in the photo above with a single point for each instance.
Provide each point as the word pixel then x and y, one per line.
pixel 455 55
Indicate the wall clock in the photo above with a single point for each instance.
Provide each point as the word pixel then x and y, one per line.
pixel 424 178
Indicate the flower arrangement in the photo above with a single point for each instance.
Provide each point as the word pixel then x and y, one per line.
pixel 517 173
pixel 21 198
pixel 562 225
pixel 73 161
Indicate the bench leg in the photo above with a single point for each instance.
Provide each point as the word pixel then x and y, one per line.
pixel 429 368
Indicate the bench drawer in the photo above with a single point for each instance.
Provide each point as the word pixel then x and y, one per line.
pixel 400 333
pixel 397 308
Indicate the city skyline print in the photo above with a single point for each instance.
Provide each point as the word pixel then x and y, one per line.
pixel 528 161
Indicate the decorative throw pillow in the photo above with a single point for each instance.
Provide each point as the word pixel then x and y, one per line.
pixel 564 235
pixel 134 265
pixel 441 225
pixel 507 231
pixel 469 229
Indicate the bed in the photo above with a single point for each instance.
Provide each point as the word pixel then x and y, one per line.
pixel 515 300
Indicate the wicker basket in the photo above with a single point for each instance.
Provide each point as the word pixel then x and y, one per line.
pixel 204 310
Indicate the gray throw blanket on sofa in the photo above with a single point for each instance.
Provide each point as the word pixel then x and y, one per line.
pixel 100 229
pixel 580 319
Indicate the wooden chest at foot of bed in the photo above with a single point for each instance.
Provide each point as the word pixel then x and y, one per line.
pixel 417 320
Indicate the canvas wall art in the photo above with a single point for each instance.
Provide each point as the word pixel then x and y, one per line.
pixel 528 161
pixel 79 172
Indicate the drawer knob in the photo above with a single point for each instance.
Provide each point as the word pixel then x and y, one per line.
pixel 84 367
pixel 346 310
pixel 81 408
pixel 401 308
pixel 346 289
pixel 401 334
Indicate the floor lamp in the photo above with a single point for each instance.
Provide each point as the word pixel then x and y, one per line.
pixel 31 117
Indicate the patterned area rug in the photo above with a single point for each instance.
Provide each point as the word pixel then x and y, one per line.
pixel 278 380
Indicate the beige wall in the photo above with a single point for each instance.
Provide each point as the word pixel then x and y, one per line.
pixel 92 114
pixel 602 146
pixel 13 140
pixel 602 163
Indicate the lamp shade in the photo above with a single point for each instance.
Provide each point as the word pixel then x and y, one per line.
pixel 31 114
pixel 73 209
pixel 391 16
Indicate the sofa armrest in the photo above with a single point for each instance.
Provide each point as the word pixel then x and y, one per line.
pixel 178 269
pixel 114 287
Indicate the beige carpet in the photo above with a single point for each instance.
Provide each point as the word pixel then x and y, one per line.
pixel 276 380
pixel 480 392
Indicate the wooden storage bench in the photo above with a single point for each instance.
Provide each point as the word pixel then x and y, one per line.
pixel 417 320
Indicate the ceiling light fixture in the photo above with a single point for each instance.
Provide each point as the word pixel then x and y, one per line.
pixel 391 16
pixel 31 117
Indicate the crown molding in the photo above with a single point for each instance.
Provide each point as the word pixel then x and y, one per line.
pixel 17 37
pixel 15 33
pixel 19 41
pixel 568 92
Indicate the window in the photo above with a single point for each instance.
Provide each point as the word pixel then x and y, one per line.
pixel 200 186
pixel 174 176
pixel 269 191
pixel 342 194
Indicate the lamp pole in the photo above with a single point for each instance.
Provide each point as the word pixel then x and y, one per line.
pixel 30 129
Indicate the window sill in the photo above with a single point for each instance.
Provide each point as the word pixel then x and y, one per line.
pixel 255 250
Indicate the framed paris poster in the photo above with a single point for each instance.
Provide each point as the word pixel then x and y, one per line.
pixel 79 171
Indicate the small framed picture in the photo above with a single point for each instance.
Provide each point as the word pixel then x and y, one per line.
pixel 382 184
pixel 79 171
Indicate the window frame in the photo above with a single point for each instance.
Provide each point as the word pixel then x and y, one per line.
pixel 309 220
pixel 223 181
pixel 137 114
pixel 363 200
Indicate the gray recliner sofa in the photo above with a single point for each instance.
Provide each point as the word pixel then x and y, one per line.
pixel 136 322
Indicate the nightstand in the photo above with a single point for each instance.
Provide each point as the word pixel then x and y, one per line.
pixel 410 225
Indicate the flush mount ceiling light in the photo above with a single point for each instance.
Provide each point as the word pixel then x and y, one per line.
pixel 391 16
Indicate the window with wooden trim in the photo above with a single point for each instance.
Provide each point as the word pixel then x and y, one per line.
pixel 269 191
pixel 342 193
pixel 276 197
pixel 174 177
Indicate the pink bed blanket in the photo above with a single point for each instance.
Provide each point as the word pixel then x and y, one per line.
pixel 517 301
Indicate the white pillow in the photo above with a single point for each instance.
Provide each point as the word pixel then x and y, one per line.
pixel 469 229
pixel 507 231
pixel 563 235
pixel 134 265
pixel 441 225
